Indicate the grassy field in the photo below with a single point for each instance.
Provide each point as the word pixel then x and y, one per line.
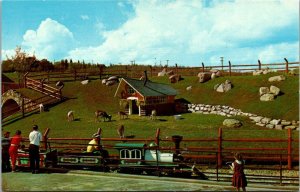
pixel 84 100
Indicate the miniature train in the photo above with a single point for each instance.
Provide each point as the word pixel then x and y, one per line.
pixel 135 158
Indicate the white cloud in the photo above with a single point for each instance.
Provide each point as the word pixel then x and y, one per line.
pixel 50 40
pixel 189 31
pixel 7 54
pixel 84 17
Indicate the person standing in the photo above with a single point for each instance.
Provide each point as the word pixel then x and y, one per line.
pixel 13 149
pixel 5 152
pixel 239 179
pixel 34 154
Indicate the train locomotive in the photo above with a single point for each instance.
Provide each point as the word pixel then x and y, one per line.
pixel 133 158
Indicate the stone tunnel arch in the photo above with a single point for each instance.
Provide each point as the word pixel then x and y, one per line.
pixel 11 102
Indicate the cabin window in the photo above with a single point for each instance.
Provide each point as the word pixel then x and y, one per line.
pixel 156 100
pixel 130 154
pixel 130 90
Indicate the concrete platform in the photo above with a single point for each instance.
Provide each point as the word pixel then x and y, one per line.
pixel 81 180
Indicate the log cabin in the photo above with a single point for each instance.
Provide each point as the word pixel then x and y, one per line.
pixel 143 96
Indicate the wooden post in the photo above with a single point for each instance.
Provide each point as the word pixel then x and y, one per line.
pixel 289 149
pixel 176 68
pixel 220 148
pixel 229 68
pixel 45 138
pixel 75 75
pixel 259 65
pixel 151 70
pixel 23 107
pixel 202 67
pixel 286 65
pixel 25 79
pixel 157 136
pixel 99 131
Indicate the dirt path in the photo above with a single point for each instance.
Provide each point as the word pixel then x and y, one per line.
pixel 99 181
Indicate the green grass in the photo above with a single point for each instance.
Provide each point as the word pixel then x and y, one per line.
pixel 84 100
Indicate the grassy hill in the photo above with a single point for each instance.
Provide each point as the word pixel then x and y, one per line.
pixel 84 100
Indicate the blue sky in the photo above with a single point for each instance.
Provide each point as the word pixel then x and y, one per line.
pixel 186 32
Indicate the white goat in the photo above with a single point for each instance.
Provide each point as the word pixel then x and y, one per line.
pixel 70 116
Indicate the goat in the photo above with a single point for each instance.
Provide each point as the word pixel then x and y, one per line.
pixel 120 131
pixel 42 109
pixel 102 114
pixel 122 115
pixel 153 115
pixel 70 116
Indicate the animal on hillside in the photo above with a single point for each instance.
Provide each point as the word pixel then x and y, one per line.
pixel 70 116
pixel 103 115
pixel 42 108
pixel 153 115
pixel 122 115
pixel 120 131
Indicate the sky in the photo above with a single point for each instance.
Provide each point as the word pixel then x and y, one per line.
pixel 153 32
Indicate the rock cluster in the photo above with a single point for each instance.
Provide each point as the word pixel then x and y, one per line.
pixel 268 94
pixel 206 76
pixel 223 87
pixel 262 71
pixel 229 112
pixel 274 123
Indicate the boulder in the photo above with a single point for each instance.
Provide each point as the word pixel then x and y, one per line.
pixel 275 121
pixel 290 127
pixel 264 90
pixel 266 120
pixel 274 90
pixel 286 123
pixel 267 97
pixel 203 77
pixel 224 87
pixel 218 74
pixel 279 127
pixel 232 123
pixel 277 78
pixel 174 78
pixel 260 124
pixel 258 72
pixel 270 126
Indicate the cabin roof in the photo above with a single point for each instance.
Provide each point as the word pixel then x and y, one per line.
pixel 150 88
pixel 129 145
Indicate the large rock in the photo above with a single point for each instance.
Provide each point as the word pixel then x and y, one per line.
pixel 224 87
pixel 275 121
pixel 110 83
pixel 258 72
pixel 203 77
pixel 170 73
pixel 277 78
pixel 275 90
pixel 213 76
pixel 264 90
pixel 189 88
pixel 113 78
pixel 104 81
pixel 232 123
pixel 266 120
pixel 267 97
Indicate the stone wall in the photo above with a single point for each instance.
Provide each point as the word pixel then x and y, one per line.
pixel 256 119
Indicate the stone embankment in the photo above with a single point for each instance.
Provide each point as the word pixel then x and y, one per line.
pixel 229 112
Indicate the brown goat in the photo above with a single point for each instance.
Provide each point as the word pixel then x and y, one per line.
pixel 122 115
pixel 102 114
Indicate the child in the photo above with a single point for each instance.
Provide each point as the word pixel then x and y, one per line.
pixel 13 149
pixel 238 179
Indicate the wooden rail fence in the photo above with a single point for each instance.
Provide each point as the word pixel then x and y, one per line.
pixel 288 154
